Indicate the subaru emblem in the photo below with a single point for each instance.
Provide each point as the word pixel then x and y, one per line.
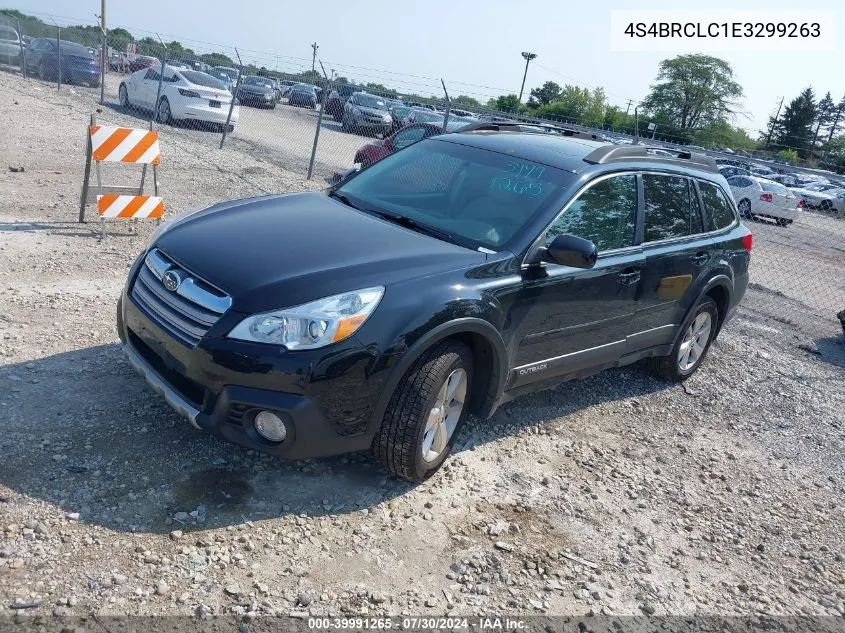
pixel 171 280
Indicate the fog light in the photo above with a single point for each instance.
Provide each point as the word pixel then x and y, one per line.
pixel 270 426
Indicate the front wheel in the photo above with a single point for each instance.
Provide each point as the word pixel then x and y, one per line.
pixel 425 412
pixel 697 334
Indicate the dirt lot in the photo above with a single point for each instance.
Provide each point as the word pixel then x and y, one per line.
pixel 619 494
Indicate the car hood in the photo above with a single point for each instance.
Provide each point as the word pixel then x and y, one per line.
pixel 285 250
pixel 809 193
pixel 372 111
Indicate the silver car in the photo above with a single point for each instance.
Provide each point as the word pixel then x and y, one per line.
pixel 366 114
pixel 10 46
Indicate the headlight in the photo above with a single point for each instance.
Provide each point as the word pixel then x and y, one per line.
pixel 311 325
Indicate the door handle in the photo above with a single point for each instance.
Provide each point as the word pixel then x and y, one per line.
pixel 700 258
pixel 629 276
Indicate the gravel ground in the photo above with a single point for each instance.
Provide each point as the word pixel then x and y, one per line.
pixel 618 494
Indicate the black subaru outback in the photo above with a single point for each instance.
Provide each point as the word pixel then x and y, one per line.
pixel 443 280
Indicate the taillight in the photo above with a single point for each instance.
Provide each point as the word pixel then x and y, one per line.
pixel 189 93
pixel 746 241
pixel 766 197
pixel 801 203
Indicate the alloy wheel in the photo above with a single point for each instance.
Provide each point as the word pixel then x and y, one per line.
pixel 444 415
pixel 695 341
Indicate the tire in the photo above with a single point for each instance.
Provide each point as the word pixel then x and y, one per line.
pixel 676 366
pixel 744 207
pixel 230 129
pixel 163 114
pixel 781 221
pixel 413 442
pixel 123 96
pixel 42 73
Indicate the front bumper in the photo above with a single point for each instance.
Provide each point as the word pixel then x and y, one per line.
pixel 366 124
pixel 325 399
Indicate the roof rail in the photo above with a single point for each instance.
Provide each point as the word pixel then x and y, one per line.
pixel 520 126
pixel 617 153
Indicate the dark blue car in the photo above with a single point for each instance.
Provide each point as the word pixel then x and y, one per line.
pixel 45 57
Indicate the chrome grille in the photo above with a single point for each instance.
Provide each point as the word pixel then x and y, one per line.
pixel 187 312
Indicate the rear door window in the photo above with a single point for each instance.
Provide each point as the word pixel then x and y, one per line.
pixel 716 205
pixel 667 207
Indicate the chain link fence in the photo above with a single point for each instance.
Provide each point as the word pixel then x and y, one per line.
pixel 306 117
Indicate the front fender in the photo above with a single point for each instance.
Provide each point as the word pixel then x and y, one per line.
pixel 457 327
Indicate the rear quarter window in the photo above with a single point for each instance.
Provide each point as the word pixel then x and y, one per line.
pixel 717 206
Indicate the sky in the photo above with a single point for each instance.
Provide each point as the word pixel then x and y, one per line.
pixel 474 46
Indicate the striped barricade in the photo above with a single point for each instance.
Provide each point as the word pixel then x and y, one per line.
pixel 114 144
pixel 117 206
pixel 124 145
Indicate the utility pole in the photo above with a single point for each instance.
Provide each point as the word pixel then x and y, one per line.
pixel 528 57
pixel 104 51
pixel 772 126
pixel 628 107
pixel 314 57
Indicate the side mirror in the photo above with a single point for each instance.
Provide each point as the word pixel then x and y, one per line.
pixel 569 250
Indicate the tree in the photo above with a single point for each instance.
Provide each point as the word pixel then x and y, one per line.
pixel 825 111
pixel 506 103
pixel 837 120
pixel 217 59
pixel 789 155
pixel 794 128
pixel 464 100
pixel 693 91
pixel 572 104
pixel 544 95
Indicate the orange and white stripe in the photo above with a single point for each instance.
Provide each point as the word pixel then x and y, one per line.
pixel 124 145
pixel 116 206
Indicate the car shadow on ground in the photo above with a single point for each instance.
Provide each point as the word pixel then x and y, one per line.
pixel 82 432
pixel 830 349
pixel 89 228
pixel 144 115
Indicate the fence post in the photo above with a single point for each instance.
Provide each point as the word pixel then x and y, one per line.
pixel 87 176
pixel 20 43
pixel 448 105
pixel 234 97
pixel 326 92
pixel 160 79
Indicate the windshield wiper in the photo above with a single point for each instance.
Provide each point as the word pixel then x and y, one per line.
pixel 344 199
pixel 411 223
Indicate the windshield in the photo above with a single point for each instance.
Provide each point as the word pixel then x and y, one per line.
pixel 228 73
pixel 303 88
pixel 202 79
pixel 426 116
pixel 480 196
pixel 72 48
pixel 258 81
pixel 400 112
pixel 370 101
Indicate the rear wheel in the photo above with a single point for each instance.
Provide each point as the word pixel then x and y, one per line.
pixel 123 96
pixel 691 348
pixel 745 209
pixel 782 221
pixel 425 412
pixel 163 114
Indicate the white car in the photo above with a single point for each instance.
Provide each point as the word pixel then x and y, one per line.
pixel 186 95
pixel 758 197
pixel 824 196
